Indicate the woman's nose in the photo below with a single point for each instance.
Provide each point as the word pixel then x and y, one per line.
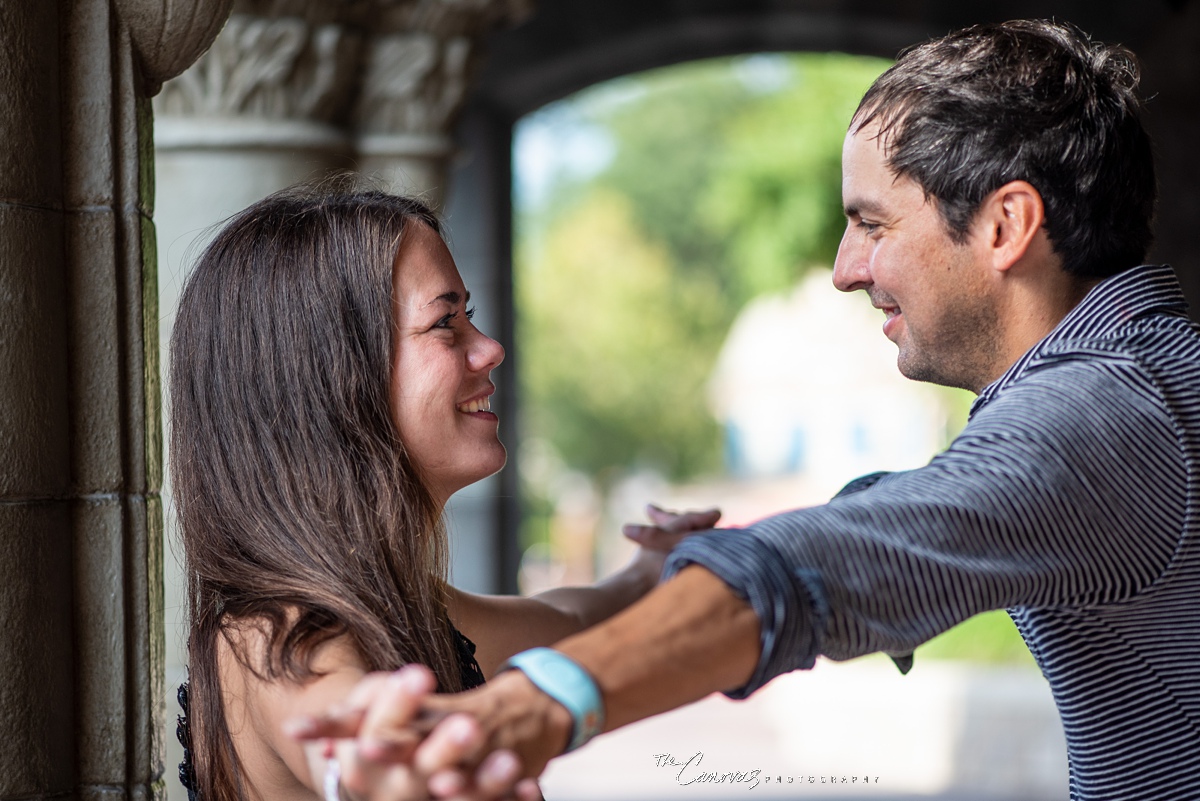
pixel 484 353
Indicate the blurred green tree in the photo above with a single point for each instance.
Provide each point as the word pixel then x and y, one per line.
pixel 617 347
pixel 724 183
pixel 774 198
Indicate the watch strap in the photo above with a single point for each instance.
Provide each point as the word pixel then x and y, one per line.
pixel 561 678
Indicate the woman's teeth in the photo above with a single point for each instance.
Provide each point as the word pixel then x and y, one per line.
pixel 481 405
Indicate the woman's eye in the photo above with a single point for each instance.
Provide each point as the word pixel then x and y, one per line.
pixel 448 320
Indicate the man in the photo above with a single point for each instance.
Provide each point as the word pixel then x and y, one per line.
pixel 998 189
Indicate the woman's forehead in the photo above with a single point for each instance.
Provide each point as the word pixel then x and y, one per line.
pixel 424 272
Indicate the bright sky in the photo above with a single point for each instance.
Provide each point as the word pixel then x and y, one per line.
pixel 559 140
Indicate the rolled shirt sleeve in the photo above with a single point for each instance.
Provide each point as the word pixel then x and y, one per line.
pixel 1052 495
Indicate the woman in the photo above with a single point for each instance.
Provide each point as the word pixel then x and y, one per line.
pixel 329 394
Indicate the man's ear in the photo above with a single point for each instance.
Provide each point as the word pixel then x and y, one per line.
pixel 1011 218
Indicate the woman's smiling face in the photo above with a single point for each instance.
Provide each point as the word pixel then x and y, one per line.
pixel 441 385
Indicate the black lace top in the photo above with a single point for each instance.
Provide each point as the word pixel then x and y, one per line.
pixel 472 677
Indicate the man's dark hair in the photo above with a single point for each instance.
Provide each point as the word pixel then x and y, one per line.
pixel 1026 100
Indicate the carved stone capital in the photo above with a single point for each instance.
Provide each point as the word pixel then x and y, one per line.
pixel 417 67
pixel 294 66
pixel 168 35
pixel 384 78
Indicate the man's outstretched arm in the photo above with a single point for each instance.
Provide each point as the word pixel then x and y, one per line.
pixel 689 637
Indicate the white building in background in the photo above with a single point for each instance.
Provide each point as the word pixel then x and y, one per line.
pixel 806 385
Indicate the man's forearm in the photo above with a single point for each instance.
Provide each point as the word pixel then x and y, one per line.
pixel 688 638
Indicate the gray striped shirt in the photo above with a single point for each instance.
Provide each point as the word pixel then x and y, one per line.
pixel 1070 499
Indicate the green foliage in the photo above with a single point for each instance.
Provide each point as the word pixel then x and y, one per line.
pixel 722 187
pixel 774 199
pixel 990 637
pixel 616 346
pixel 670 139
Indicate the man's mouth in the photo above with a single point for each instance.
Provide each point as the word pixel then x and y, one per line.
pixel 890 314
pixel 886 305
pixel 483 404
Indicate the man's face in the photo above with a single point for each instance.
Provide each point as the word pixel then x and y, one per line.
pixel 934 293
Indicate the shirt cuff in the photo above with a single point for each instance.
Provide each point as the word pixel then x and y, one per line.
pixel 790 604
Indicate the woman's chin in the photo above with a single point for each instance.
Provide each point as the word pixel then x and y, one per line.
pixel 496 460
pixel 487 465
pixel 497 464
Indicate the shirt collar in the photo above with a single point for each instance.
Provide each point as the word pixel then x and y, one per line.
pixel 1107 307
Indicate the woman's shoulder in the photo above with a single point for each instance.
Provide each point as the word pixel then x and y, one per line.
pixel 258 696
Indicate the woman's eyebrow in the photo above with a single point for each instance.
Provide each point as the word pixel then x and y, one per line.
pixel 452 297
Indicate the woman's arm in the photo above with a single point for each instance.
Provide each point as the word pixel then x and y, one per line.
pixel 501 626
pixel 274 764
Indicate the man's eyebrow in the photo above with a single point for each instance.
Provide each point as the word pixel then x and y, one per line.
pixel 857 207
pixel 452 297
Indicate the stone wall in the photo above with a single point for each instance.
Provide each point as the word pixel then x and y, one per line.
pixel 80 436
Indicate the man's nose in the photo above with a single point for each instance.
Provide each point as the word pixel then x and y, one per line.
pixel 850 268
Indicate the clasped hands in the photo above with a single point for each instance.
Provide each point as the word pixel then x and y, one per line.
pixel 393 739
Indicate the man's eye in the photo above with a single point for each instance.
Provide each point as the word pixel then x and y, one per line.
pixel 471 313
pixel 870 228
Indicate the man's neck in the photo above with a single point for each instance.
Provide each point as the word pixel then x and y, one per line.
pixel 1034 309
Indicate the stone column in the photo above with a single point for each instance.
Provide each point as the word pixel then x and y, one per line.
pixel 264 108
pixel 416 69
pixel 80 436
pixel 485 518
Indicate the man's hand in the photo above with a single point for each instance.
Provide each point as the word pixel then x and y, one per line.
pixel 518 729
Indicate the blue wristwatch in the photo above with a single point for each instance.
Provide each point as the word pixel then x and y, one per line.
pixel 566 682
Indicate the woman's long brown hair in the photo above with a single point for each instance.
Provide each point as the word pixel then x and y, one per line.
pixel 299 509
